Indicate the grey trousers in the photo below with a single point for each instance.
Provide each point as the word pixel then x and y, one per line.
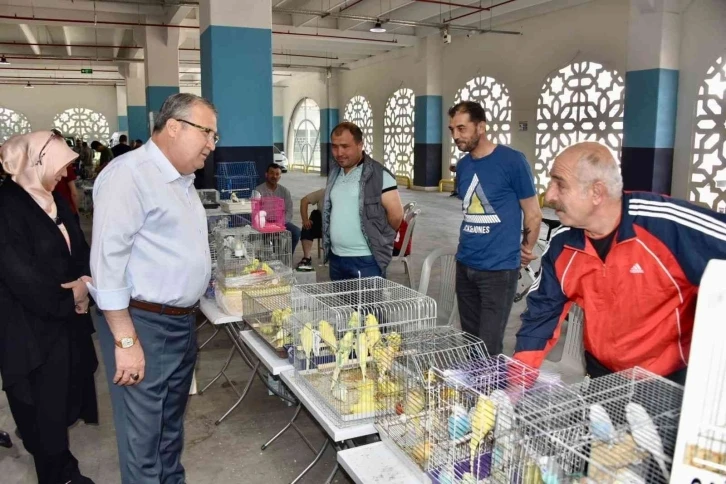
pixel 149 417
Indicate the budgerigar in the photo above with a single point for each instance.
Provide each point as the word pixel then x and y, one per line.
pixel 372 332
pixel 362 353
pixel 394 341
pixel 483 417
pixel 366 400
pixel 342 355
pixel 551 472
pixel 414 403
pixel 601 427
pixel 646 436
pixel 503 439
pixel 383 356
pixel 354 321
pixel 327 334
pixel 459 422
pixel 307 338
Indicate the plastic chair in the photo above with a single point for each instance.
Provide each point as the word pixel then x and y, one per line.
pixel 402 257
pixel 447 291
pixel 572 362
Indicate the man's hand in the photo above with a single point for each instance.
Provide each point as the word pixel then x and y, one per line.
pixel 452 168
pixel 526 256
pixel 307 224
pixel 82 306
pixel 129 361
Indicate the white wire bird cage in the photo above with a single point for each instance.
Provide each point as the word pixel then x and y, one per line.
pixel 619 428
pixel 209 197
pixel 701 448
pixel 268 311
pixel 474 419
pixel 248 260
pixel 221 221
pixel 352 323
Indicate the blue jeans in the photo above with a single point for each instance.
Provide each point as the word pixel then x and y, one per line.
pixel 342 268
pixel 294 232
pixel 149 416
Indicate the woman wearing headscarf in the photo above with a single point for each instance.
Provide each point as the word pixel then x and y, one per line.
pixel 47 358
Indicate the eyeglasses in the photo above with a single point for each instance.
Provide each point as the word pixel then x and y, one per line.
pixel 54 133
pixel 211 134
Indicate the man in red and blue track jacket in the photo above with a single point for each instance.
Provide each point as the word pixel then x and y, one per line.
pixel 632 261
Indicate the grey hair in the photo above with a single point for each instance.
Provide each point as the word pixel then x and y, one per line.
pixel 178 106
pixel 600 165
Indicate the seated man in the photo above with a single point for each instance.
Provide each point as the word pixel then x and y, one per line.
pixel 272 188
pixel 312 226
pixel 632 261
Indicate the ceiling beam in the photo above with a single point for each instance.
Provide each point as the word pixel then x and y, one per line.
pixel 67 39
pixel 30 36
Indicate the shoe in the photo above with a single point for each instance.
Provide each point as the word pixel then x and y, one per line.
pixel 454 194
pixel 306 264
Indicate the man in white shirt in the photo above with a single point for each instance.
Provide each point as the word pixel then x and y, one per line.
pixel 150 263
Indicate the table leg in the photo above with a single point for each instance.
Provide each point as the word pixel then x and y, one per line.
pixel 315 461
pixel 216 332
pixel 242 396
pixel 221 373
pixel 294 426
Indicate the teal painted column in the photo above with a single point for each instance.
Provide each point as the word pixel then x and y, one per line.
pixel 651 97
pixel 123 123
pixel 427 141
pixel 236 61
pixel 278 137
pixel 161 60
pixel 138 126
pixel 329 119
pixel 428 129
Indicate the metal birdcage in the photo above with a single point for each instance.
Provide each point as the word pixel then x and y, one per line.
pixel 619 428
pixel 339 345
pixel 268 311
pixel 209 197
pixel 248 260
pixel 268 214
pixel 701 447
pixel 221 221
pixel 239 177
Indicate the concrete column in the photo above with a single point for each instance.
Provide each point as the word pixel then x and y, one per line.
pixel 278 112
pixel 651 95
pixel 161 60
pixel 329 119
pixel 428 130
pixel 138 125
pixel 121 110
pixel 236 58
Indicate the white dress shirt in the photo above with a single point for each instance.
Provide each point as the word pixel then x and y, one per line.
pixel 149 233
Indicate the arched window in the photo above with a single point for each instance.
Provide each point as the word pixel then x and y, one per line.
pixel 83 123
pixel 12 123
pixel 581 102
pixel 358 111
pixel 708 171
pixel 494 97
pixel 398 132
pixel 305 133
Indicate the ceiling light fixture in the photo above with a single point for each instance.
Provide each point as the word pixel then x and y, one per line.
pixel 29 85
pixel 378 28
pixel 4 61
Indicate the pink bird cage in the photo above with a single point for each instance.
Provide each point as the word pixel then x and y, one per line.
pixel 268 214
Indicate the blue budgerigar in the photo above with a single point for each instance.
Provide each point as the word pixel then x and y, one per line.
pixel 601 427
pixel 459 423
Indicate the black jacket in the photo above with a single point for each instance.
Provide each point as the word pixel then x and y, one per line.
pixel 35 311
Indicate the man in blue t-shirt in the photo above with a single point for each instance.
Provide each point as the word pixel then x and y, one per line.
pixel 495 185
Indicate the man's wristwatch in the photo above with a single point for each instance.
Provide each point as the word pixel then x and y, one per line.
pixel 127 342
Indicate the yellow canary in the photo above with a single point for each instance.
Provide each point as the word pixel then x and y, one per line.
pixel 483 418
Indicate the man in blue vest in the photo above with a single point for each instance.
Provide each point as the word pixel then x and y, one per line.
pixel 361 211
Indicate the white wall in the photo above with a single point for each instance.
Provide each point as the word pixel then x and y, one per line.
pixel 596 31
pixel 311 85
pixel 191 90
pixel 42 103
pixel 703 40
